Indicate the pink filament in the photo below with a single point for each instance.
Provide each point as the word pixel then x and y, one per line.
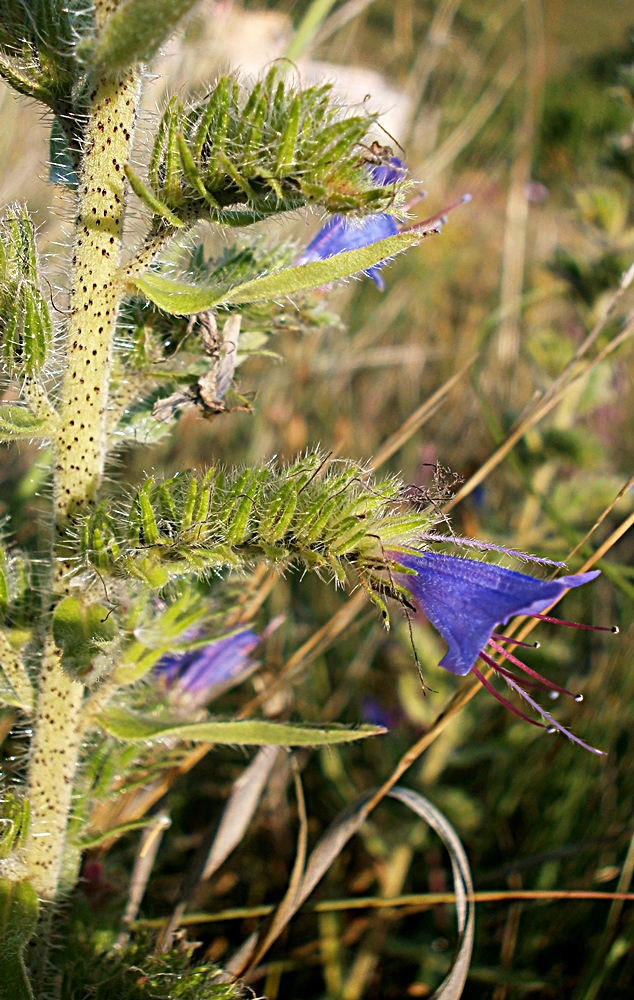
pixel 543 681
pixel 590 628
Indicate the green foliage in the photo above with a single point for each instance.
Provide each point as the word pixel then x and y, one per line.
pixel 238 156
pixel 157 635
pixel 14 823
pixel 169 350
pixel 18 917
pixel 25 322
pixel 16 423
pixel 131 727
pixel 38 58
pixel 183 298
pixel 135 31
pixel 324 517
pixel 80 632
pixel 136 972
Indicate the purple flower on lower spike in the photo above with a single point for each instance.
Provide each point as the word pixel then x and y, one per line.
pixel 192 678
pixel 466 599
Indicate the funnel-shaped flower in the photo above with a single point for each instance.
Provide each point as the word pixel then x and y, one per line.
pixel 192 678
pixel 466 599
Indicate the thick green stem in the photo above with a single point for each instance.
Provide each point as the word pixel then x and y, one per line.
pixel 80 450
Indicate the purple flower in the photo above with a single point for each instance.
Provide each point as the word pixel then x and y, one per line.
pixel 192 678
pixel 466 599
pixel 341 234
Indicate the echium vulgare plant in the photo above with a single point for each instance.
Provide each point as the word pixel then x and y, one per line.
pixel 114 645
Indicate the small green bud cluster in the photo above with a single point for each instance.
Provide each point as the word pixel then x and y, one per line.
pixel 193 523
pixel 25 321
pixel 240 155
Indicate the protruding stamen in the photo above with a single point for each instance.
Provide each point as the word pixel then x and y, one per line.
pixel 438 217
pixel 516 642
pixel 540 711
pixel 541 681
pixel 500 697
pixel 503 672
pixel 590 628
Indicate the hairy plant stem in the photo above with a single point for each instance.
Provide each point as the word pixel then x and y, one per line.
pixel 80 450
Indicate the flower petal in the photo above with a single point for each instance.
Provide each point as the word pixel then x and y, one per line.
pixel 339 235
pixel 193 675
pixel 465 599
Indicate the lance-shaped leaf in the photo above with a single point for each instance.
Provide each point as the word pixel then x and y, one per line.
pixel 181 299
pixel 136 30
pixel 129 726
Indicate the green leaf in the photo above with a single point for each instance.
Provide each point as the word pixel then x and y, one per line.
pixel 14 823
pixel 16 422
pixel 136 30
pixel 182 299
pixel 127 725
pixel 38 41
pixel 18 917
pixel 78 631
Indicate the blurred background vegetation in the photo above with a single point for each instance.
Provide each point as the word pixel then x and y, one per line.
pixel 529 106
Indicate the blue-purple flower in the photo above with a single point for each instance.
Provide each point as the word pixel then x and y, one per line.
pixel 340 234
pixel 466 599
pixel 192 678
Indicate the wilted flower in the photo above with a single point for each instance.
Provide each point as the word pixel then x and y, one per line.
pixel 192 678
pixel 466 599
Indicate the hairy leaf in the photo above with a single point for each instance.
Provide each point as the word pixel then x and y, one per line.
pixel 126 725
pixel 38 48
pixel 183 299
pixel 135 32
